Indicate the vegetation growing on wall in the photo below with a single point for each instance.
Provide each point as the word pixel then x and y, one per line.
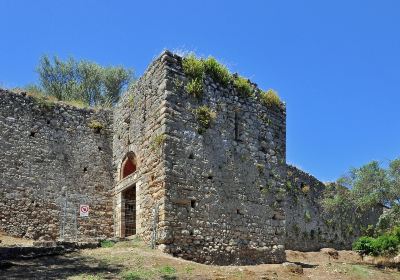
pixel 96 125
pixel 158 141
pixel 204 116
pixel 270 98
pixel 197 68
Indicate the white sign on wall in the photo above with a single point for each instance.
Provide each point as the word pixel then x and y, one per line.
pixel 84 210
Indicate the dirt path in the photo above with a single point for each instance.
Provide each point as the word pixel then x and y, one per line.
pixel 133 260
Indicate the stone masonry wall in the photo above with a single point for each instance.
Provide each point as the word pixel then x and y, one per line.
pixel 308 228
pixel 139 126
pixel 224 196
pixel 51 161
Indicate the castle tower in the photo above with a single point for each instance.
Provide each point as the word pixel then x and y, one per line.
pixel 202 176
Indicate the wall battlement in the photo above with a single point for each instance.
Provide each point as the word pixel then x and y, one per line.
pixel 216 191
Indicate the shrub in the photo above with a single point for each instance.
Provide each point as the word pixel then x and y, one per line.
pixel 217 71
pixel 195 87
pixel 243 86
pixel 193 67
pixel 204 116
pixel 386 244
pixel 83 80
pixel 270 98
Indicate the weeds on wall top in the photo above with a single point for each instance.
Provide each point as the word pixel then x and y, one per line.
pixel 197 68
pixel 270 98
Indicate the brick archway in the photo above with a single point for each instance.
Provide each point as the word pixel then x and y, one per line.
pixel 128 165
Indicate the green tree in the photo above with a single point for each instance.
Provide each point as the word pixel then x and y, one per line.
pixel 82 80
pixel 394 181
pixel 369 185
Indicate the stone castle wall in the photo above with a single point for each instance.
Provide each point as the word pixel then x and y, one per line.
pixel 139 126
pixel 51 161
pixel 221 195
pixel 224 196
pixel 308 227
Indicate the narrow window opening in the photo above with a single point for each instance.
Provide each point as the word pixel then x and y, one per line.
pixel 236 126
pixel 99 148
pixel 191 156
pixel 144 107
pixel 193 203
pixel 85 169
pixel 210 177
pixel 238 212
pixel 32 134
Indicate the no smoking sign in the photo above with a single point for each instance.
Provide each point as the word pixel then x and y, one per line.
pixel 84 210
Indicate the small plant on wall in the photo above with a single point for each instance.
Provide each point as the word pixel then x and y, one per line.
pixel 96 125
pixel 158 141
pixel 205 116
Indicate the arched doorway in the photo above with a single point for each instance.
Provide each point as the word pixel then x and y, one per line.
pixel 128 165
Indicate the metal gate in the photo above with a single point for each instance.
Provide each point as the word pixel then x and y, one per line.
pixel 129 197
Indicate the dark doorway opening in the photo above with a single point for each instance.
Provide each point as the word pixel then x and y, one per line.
pixel 129 197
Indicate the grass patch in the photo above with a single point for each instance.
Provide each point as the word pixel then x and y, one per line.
pixel 270 98
pixel 107 244
pixel 205 116
pixel 167 270
pixel 139 274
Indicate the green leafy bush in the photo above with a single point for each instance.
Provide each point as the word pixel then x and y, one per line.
pixel 217 71
pixel 195 87
pixel 243 86
pixel 386 244
pixel 193 67
pixel 270 98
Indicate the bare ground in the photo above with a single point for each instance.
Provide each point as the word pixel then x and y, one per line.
pixel 133 260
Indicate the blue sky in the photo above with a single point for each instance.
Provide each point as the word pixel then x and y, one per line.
pixel 335 63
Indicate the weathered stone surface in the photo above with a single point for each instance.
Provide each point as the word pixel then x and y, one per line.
pixel 308 227
pixel 51 161
pixel 216 195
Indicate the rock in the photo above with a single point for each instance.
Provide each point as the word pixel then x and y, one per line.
pixel 330 252
pixel 292 267
pixel 397 259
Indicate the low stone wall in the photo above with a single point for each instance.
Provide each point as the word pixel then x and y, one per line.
pixel 44 249
pixel 308 227
pixel 53 158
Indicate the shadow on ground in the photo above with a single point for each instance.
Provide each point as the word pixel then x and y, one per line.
pixel 58 267
pixel 306 265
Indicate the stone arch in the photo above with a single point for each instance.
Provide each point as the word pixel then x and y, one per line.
pixel 129 165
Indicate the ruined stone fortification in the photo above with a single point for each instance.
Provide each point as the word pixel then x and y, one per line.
pixel 217 195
